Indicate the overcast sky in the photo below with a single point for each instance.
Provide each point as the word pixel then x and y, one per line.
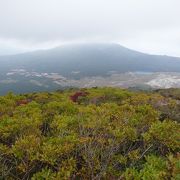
pixel 151 26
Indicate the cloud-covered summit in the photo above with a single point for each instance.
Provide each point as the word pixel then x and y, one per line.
pixel 147 25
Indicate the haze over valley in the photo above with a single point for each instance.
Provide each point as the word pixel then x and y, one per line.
pixel 87 65
pixel 47 45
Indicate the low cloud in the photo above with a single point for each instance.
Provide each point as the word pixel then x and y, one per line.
pixel 146 25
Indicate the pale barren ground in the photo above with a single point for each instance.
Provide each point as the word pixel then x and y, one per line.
pixel 125 80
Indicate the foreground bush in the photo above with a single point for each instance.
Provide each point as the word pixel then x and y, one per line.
pixel 105 133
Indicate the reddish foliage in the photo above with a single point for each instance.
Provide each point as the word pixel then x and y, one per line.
pixel 23 102
pixel 76 95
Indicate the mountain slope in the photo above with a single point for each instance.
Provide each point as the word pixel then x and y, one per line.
pixel 86 65
pixel 90 60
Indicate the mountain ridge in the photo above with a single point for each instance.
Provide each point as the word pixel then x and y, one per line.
pixel 86 65
pixel 91 60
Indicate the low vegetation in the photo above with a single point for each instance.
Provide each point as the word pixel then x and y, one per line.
pixel 97 133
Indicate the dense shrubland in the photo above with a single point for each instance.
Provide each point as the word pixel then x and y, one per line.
pixel 97 133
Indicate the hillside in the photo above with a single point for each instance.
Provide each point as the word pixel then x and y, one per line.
pixel 87 65
pixel 96 133
pixel 90 60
